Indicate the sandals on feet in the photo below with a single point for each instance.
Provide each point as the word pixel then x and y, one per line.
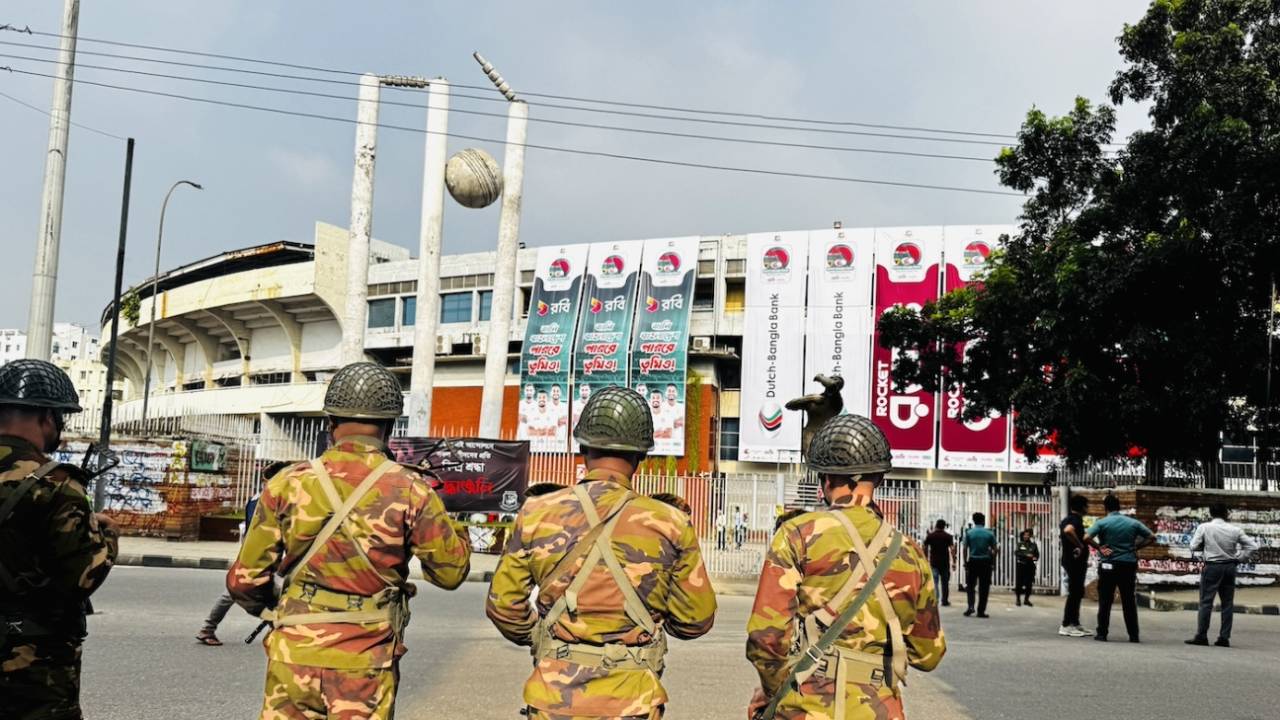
pixel 207 638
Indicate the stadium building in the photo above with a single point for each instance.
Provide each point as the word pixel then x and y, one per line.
pixel 255 334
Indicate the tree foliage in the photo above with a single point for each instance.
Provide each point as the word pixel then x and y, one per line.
pixel 1130 309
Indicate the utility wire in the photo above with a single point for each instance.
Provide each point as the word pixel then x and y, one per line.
pixel 46 113
pixel 549 148
pixel 653 116
pixel 549 121
pixel 670 108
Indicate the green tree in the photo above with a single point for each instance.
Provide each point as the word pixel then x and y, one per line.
pixel 1130 309
pixel 130 307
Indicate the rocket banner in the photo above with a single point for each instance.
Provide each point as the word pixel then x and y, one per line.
pixel 982 444
pixel 907 264
pixel 773 346
pixel 548 344
pixel 600 355
pixel 838 337
pixel 660 344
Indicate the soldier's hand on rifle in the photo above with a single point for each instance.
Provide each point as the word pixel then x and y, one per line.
pixel 105 523
pixel 758 702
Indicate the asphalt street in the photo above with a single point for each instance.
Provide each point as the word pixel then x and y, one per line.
pixel 142 662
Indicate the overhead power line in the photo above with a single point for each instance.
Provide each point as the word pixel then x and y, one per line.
pixel 491 98
pixel 548 121
pixel 549 148
pixel 553 96
pixel 46 113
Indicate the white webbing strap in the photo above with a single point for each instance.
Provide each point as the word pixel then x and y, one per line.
pixel 868 558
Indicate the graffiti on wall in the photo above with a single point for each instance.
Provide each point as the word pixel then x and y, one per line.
pixel 134 486
pixel 1175 528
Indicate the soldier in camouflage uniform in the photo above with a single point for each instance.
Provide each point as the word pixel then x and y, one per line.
pixel 341 530
pixel 54 552
pixel 815 565
pixel 616 572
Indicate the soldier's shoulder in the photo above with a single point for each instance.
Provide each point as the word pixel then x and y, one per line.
pixel 548 503
pixel 661 513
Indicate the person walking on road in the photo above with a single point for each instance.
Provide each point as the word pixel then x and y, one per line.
pixel 1026 555
pixel 341 529
pixel 980 551
pixel 1224 546
pixel 1075 565
pixel 856 591
pixel 939 546
pixel 615 572
pixel 208 634
pixel 1118 538
pixel 54 551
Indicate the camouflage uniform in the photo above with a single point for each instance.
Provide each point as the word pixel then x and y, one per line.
pixel 57 555
pixel 596 659
pixel 341 663
pixel 808 565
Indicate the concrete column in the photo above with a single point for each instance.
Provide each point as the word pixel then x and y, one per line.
pixel 356 311
pixel 427 316
pixel 504 277
pixel 44 278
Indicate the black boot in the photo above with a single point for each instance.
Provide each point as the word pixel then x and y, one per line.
pixel 1018 599
pixel 1028 601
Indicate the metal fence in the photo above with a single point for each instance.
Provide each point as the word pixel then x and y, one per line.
pixel 1237 476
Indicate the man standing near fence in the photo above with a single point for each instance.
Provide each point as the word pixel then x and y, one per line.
pixel 862 592
pixel 1118 538
pixel 1075 565
pixel 342 529
pixel 1224 547
pixel 615 571
pixel 940 547
pixel 980 551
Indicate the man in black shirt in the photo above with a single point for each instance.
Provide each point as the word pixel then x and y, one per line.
pixel 1075 563
pixel 937 546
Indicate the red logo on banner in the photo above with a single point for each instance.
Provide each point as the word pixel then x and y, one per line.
pixel 976 254
pixel 776 259
pixel 612 265
pixel 981 444
pixel 907 418
pixel 668 263
pixel 651 304
pixel 559 268
pixel 543 309
pixel 840 256
pixel 907 255
pixel 596 305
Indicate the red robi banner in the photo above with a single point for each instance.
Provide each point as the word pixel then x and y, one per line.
pixel 982 444
pixel 907 261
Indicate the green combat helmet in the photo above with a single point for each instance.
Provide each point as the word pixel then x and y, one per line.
pixel 850 445
pixel 38 384
pixel 616 419
pixel 364 391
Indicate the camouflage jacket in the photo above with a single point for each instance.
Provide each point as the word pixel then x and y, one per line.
pixel 657 548
pixel 399 518
pixel 807 564
pixel 51 542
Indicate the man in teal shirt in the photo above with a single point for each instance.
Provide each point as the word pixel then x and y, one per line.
pixel 980 552
pixel 1118 538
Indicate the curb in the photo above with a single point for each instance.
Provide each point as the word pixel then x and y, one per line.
pixel 1152 602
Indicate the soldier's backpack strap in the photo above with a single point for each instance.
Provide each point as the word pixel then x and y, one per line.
pixel 813 655
pixel 340 514
pixel 6 578
pixel 635 607
pixel 868 556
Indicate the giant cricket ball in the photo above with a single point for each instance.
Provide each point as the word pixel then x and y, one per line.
pixel 473 178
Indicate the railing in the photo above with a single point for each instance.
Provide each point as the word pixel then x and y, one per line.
pixel 1240 477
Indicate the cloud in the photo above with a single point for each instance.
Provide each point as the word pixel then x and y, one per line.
pixel 304 170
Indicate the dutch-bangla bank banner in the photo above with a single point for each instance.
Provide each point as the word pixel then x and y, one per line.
pixel 907 264
pixel 981 444
pixel 548 344
pixel 840 320
pixel 660 348
pixel 773 346
pixel 604 322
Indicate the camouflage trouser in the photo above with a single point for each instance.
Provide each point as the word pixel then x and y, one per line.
pixel 301 692
pixel 40 682
pixel 536 714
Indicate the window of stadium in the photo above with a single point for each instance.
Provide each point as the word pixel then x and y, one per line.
pixel 409 311
pixel 486 304
pixel 382 313
pixel 455 308
pixel 729 438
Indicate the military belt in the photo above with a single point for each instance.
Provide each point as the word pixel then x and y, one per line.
pixel 329 606
pixel 610 656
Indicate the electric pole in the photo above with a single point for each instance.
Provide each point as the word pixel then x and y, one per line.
pixel 44 278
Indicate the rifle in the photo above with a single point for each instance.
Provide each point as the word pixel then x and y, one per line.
pixel 256 631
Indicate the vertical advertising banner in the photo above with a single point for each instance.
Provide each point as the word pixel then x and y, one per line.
pixel 982 444
pixel 773 347
pixel 838 337
pixel 548 343
pixel 600 355
pixel 907 262
pixel 660 347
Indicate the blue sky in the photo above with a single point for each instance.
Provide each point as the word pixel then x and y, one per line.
pixel 968 66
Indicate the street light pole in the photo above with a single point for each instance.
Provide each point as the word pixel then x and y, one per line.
pixel 155 281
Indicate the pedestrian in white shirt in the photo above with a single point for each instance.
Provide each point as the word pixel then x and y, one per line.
pixel 1224 546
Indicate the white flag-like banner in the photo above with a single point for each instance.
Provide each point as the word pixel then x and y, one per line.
pixel 773 346
pixel 840 316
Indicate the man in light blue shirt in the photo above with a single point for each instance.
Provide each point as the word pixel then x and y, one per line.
pixel 1118 539
pixel 980 552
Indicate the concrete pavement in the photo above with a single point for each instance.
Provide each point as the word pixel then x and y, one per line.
pixel 141 662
